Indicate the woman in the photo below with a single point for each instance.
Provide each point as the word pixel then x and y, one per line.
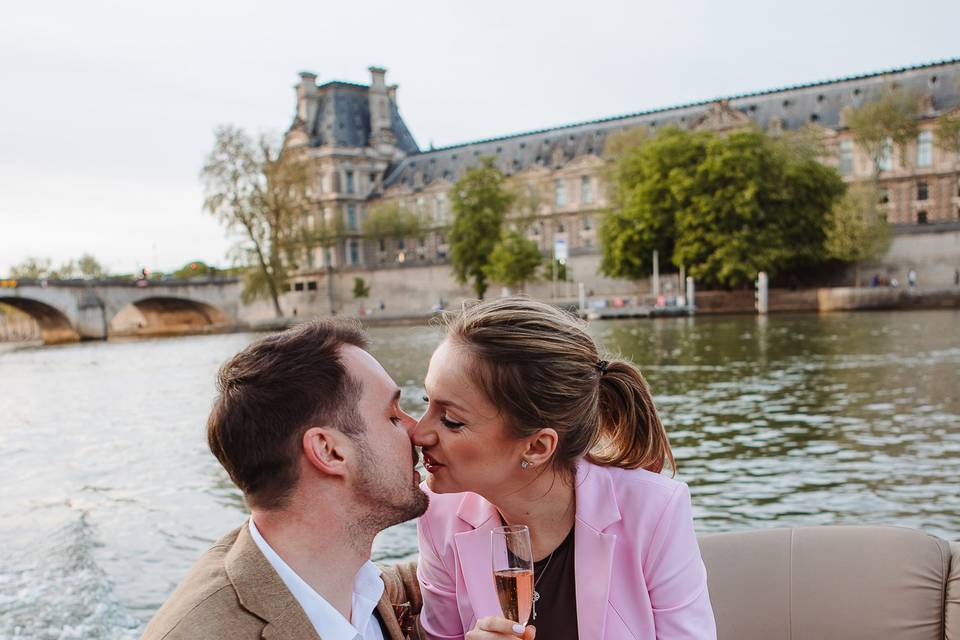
pixel 527 424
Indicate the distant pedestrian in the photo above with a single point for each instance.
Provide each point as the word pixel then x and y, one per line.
pixel 911 278
pixel 956 277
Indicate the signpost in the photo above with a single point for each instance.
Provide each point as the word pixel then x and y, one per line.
pixel 560 255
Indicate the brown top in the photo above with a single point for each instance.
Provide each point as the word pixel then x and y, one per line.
pixel 555 581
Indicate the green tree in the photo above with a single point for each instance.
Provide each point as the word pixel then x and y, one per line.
pixel 194 269
pixel 392 220
pixel 514 260
pixel 360 288
pixel 479 201
pixel 723 206
pixel 38 268
pixel 256 189
pixel 32 268
pixel 858 228
pixel 879 123
pixel 644 201
pixel 553 268
pixel 751 205
pixel 948 132
pixel 89 267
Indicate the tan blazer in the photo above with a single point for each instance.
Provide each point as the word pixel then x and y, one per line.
pixel 233 593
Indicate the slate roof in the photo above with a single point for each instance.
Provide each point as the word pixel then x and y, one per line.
pixel 343 118
pixel 818 102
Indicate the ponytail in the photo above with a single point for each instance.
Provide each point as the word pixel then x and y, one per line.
pixel 540 368
pixel 631 435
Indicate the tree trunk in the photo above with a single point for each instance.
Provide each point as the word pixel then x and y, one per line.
pixel 271 282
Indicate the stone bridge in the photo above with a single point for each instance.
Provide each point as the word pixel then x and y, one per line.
pixel 72 310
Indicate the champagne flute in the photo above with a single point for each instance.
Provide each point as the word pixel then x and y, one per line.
pixel 513 571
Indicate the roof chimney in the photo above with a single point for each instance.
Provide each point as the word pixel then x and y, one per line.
pixel 307 96
pixel 381 131
pixel 378 78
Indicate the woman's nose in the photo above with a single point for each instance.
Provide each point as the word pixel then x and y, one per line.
pixel 422 434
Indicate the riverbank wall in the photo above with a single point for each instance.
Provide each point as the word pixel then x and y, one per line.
pixel 830 299
pixel 416 288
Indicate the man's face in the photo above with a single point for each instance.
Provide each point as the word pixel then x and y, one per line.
pixel 386 479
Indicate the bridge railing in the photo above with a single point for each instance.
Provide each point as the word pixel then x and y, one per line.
pixel 13 283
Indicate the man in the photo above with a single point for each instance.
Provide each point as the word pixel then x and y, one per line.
pixel 308 425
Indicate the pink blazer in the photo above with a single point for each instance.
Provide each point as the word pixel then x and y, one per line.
pixel 639 574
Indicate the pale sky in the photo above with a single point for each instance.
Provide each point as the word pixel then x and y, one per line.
pixel 107 108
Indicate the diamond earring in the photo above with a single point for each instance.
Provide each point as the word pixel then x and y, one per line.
pixel 524 464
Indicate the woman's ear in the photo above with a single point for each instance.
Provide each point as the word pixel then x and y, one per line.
pixel 541 447
pixel 324 450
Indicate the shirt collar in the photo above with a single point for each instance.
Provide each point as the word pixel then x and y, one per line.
pixel 329 623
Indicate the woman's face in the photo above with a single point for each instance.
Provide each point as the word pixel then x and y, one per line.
pixel 463 437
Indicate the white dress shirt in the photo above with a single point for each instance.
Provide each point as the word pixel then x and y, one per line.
pixel 330 623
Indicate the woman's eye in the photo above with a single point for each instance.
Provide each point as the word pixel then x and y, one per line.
pixel 395 420
pixel 450 424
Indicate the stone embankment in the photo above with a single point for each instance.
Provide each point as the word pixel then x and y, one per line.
pixel 830 299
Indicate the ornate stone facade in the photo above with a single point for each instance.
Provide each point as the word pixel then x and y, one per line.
pixel 365 154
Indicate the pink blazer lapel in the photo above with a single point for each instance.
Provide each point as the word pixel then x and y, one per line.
pixel 473 551
pixel 593 549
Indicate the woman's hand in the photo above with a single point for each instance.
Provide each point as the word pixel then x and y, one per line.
pixel 492 628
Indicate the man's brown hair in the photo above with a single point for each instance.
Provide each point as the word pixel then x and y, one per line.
pixel 273 391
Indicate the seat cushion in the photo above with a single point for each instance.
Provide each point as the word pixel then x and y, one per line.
pixel 952 609
pixel 814 583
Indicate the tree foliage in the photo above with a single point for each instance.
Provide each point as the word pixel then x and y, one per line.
pixel 360 288
pixel 86 266
pixel 554 269
pixel 32 268
pixel 252 187
pixel 893 117
pixel 90 267
pixel 948 132
pixel 858 228
pixel 391 219
pixel 514 260
pixel 479 201
pixel 725 206
pixel 644 202
pixel 195 269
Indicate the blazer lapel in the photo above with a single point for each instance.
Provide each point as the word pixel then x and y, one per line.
pixel 262 592
pixel 593 549
pixel 389 617
pixel 473 551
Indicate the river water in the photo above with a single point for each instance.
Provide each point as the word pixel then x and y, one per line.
pixel 108 493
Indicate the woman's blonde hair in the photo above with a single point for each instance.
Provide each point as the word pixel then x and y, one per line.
pixel 540 368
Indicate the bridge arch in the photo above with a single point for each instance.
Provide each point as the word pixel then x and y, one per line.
pixel 164 315
pixel 55 326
